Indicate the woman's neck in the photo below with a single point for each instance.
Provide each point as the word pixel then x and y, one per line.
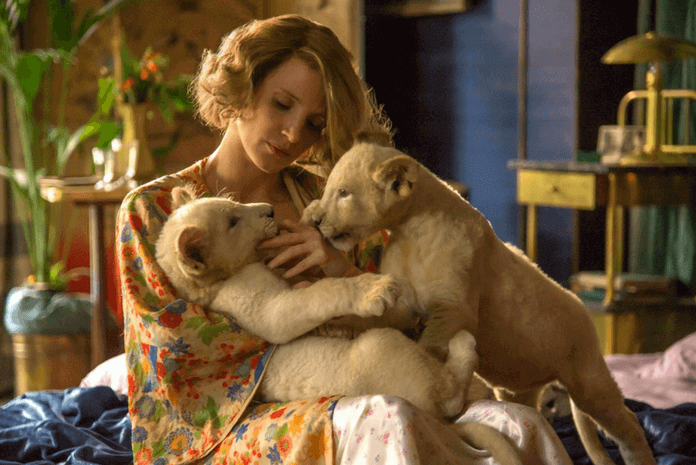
pixel 230 172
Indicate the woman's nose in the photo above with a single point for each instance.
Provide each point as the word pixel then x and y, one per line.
pixel 292 130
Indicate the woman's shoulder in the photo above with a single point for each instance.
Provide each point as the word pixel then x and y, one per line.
pixel 158 191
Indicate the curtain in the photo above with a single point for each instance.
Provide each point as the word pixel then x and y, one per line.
pixel 662 240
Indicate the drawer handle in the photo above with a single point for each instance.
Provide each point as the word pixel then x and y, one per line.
pixel 553 189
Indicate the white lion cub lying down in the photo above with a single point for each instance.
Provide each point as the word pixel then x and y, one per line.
pixel 207 248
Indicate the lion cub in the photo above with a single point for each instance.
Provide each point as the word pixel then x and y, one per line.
pixel 207 248
pixel 459 275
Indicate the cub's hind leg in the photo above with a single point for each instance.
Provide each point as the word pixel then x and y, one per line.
pixel 380 361
pixel 594 392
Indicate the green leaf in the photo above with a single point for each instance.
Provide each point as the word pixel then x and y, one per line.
pixel 30 69
pixel 208 413
pixel 57 278
pixel 61 16
pixel 280 432
pixel 109 130
pixel 106 95
pixel 29 72
pixel 210 332
pixel 158 449
pixel 159 412
pixel 149 318
pixel 80 135
pixel 195 322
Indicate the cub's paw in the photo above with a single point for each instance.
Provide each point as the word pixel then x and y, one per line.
pixel 462 342
pixel 382 294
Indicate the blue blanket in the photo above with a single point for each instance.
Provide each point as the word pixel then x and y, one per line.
pixel 91 426
pixel 671 434
pixel 75 426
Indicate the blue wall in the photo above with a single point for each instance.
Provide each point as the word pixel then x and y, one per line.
pixel 449 83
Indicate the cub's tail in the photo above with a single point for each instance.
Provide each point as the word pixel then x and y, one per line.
pixel 484 437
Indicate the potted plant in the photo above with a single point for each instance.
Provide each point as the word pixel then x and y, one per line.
pixel 142 88
pixel 39 315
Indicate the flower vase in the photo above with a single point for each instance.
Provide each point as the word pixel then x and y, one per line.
pixel 135 155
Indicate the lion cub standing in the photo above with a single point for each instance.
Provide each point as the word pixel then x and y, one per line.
pixel 207 248
pixel 457 273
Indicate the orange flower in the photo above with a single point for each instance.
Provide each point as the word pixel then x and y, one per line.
pixel 152 66
pixel 284 445
pixel 144 456
pixel 127 84
pixel 144 73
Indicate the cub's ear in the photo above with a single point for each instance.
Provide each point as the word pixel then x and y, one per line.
pixel 192 247
pixel 397 174
pixel 181 196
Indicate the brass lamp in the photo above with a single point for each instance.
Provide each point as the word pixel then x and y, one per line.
pixel 659 119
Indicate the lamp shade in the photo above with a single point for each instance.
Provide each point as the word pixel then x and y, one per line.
pixel 645 48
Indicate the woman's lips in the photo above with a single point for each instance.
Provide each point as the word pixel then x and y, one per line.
pixel 278 151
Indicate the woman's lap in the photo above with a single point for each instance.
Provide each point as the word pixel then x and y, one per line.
pixel 383 429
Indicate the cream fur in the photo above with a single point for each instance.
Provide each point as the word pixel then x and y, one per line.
pixel 455 272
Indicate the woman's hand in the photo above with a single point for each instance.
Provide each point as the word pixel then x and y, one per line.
pixel 306 244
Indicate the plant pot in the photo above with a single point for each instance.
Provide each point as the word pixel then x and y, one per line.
pixel 43 361
pixel 50 338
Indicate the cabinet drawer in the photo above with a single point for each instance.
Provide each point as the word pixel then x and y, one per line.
pixel 571 190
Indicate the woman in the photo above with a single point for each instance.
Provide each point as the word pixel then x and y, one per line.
pixel 284 91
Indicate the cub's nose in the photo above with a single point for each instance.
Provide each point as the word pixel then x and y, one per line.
pixel 268 212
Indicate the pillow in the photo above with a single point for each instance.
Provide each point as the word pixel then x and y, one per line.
pixel 112 373
pixel 677 362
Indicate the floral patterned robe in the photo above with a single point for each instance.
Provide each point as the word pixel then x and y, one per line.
pixel 192 374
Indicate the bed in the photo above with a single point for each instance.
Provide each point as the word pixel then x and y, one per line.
pixel 661 389
pixel 89 424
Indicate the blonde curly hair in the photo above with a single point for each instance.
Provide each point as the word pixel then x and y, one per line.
pixel 228 78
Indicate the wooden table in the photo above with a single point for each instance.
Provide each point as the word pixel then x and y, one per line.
pixel 584 186
pixel 96 200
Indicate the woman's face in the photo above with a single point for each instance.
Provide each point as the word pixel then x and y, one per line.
pixel 286 118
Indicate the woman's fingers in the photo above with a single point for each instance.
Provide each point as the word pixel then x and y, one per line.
pixel 296 234
pixel 310 261
pixel 313 256
pixel 306 244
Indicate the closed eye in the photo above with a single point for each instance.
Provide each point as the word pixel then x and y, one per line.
pixel 233 221
pixel 281 105
pixel 316 127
